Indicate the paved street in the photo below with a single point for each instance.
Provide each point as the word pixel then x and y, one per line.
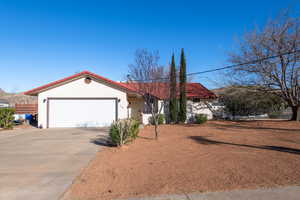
pixel 280 193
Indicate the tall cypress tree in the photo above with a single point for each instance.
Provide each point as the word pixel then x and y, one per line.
pixel 182 99
pixel 173 96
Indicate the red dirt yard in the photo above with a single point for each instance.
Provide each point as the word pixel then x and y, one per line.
pixel 195 158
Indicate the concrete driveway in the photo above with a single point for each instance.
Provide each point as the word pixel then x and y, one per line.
pixel 40 164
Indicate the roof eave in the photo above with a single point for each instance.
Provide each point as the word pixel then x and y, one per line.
pixel 36 91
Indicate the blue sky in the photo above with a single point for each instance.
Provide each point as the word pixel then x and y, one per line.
pixel 42 41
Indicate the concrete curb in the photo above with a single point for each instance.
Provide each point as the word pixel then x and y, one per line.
pixel 280 193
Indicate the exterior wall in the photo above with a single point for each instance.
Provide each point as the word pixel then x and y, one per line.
pixel 145 117
pixel 161 104
pixel 136 107
pixel 193 108
pixel 79 89
pixel 197 108
pixel 4 105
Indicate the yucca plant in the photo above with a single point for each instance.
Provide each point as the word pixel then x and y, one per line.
pixel 123 131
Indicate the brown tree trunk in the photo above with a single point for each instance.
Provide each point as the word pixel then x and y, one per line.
pixel 296 113
pixel 156 131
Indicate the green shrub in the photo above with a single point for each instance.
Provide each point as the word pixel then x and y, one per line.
pixel 200 118
pixel 161 119
pixel 7 118
pixel 275 114
pixel 124 131
pixel 134 129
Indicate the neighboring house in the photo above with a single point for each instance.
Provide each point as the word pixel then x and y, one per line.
pixel 89 100
pixel 4 103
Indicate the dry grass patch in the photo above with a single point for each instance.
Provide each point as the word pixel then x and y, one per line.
pixel 187 158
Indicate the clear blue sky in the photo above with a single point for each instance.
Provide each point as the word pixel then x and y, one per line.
pixel 42 41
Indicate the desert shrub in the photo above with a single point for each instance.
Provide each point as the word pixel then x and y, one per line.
pixel 244 101
pixel 161 119
pixel 134 129
pixel 275 114
pixel 200 118
pixel 123 131
pixel 7 118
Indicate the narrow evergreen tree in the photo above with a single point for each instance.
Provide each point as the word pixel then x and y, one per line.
pixel 173 96
pixel 182 99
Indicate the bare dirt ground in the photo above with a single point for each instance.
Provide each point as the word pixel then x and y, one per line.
pixel 21 126
pixel 187 158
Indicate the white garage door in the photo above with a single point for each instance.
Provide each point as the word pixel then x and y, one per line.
pixel 81 112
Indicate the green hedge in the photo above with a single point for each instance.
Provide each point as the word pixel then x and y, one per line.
pixel 200 118
pixel 124 131
pixel 7 118
pixel 275 115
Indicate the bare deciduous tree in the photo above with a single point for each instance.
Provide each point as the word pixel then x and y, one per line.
pixel 280 74
pixel 151 81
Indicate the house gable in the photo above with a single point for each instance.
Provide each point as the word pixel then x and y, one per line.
pixel 79 88
pixel 84 74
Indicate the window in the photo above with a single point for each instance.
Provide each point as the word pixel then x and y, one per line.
pixel 147 108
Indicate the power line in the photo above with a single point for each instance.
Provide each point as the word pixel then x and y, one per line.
pixel 245 63
pixel 228 66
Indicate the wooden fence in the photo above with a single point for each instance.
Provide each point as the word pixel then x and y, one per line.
pixel 26 109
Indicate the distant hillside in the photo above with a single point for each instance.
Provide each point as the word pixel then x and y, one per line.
pixel 17 98
pixel 232 89
pixel 220 91
pixel 2 92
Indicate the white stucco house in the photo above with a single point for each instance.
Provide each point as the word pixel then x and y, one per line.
pixel 89 100
pixel 4 103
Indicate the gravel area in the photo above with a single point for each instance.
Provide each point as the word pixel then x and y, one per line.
pixel 217 156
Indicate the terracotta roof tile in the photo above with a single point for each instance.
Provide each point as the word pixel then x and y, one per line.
pixel 194 90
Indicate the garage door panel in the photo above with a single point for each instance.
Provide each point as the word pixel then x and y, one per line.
pixel 81 112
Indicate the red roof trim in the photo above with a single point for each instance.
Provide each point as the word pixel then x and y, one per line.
pixel 197 90
pixel 194 90
pixel 61 81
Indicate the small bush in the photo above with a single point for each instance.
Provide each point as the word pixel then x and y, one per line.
pixel 134 129
pixel 7 118
pixel 275 115
pixel 124 131
pixel 200 118
pixel 161 119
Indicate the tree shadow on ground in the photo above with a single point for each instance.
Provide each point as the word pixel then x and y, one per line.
pixel 253 127
pixel 205 141
pixel 188 125
pixel 146 138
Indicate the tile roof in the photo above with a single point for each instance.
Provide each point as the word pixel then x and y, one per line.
pixel 193 90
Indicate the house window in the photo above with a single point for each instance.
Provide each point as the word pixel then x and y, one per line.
pixel 148 109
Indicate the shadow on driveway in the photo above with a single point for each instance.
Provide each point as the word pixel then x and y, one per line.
pixel 102 141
